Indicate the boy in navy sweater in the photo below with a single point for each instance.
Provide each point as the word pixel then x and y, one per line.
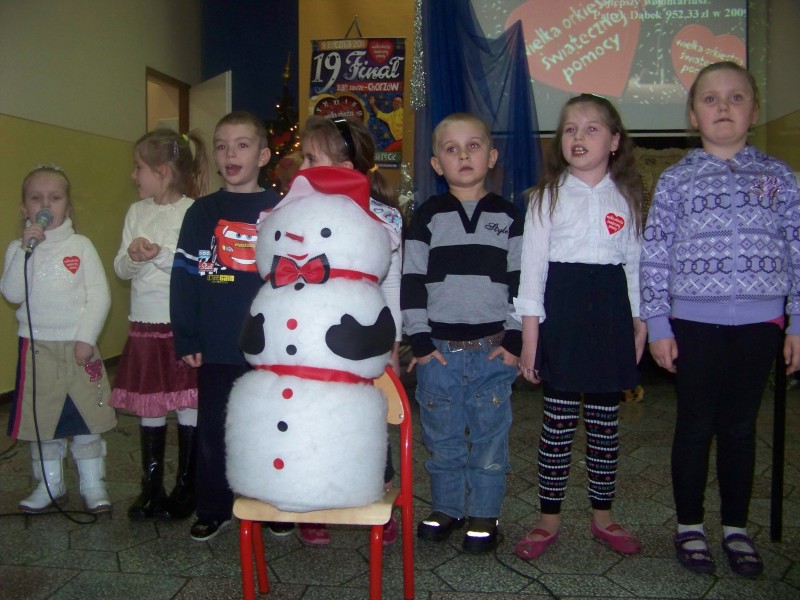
pixel 214 280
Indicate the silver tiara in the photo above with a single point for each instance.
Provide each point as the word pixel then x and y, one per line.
pixel 48 166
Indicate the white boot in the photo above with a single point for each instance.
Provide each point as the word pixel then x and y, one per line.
pixel 52 477
pixel 90 458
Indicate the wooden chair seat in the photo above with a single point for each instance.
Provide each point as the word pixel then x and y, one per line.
pixel 252 513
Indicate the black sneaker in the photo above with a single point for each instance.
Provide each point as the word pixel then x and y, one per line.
pixel 279 529
pixel 481 535
pixel 438 526
pixel 202 531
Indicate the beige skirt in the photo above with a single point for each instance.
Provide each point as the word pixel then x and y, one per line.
pixel 69 399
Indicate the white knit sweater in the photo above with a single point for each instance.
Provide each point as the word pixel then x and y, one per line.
pixel 160 224
pixel 69 295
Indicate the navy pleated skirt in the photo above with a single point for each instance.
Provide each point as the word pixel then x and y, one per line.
pixel 586 342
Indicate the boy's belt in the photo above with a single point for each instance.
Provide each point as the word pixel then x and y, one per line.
pixel 490 341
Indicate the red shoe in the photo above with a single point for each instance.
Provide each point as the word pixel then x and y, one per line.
pixel 390 531
pixel 314 534
pixel 624 543
pixel 528 549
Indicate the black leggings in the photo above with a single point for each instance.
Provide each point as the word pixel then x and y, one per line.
pixel 560 420
pixel 722 371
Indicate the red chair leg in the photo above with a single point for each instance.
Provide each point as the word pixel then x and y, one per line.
pixel 376 562
pixel 261 561
pixel 407 520
pixel 246 559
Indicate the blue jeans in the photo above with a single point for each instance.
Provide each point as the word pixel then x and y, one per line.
pixel 465 411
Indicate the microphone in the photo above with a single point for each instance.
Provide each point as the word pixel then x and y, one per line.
pixel 44 218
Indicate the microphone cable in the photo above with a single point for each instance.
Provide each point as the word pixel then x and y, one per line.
pixel 92 518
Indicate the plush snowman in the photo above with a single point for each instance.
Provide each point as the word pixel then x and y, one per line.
pixel 306 429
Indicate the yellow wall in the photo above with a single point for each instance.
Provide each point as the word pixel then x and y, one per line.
pixel 98 168
pixel 330 19
pixel 72 92
pixel 81 63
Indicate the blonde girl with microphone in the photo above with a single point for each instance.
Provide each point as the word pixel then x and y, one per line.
pixel 62 390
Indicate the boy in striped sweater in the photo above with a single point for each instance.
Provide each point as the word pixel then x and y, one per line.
pixel 460 274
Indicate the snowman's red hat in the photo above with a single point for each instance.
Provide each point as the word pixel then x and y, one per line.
pixel 339 181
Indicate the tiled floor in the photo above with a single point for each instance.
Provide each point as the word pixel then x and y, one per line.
pixel 50 556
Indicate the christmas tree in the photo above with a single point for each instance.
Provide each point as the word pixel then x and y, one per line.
pixel 284 140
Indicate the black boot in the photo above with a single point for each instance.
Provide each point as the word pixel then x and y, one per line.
pixel 151 502
pixel 181 501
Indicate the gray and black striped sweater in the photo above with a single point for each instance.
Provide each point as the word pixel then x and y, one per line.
pixel 460 274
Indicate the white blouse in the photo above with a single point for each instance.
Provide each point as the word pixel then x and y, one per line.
pixel 590 225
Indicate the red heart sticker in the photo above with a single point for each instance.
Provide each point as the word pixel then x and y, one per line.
pixel 578 46
pixel 94 369
pixel 380 50
pixel 614 223
pixel 73 263
pixel 696 46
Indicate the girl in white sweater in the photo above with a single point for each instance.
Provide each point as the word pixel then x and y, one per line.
pixel 151 381
pixel 57 279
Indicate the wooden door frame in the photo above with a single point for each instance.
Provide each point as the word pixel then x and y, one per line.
pixel 183 96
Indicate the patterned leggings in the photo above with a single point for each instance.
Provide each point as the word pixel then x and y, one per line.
pixel 561 412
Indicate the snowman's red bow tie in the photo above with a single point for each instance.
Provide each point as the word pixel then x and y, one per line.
pixel 285 271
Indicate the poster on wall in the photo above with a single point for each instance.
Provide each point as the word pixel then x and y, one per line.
pixel 362 78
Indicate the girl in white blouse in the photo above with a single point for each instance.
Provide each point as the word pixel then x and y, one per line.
pixel 579 305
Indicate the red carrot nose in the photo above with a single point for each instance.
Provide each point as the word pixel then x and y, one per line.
pixel 294 236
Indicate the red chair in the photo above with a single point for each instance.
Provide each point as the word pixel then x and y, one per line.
pixel 251 513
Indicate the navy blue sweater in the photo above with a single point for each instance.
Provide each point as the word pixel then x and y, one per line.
pixel 214 276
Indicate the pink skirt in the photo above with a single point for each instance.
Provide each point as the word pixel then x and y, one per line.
pixel 150 380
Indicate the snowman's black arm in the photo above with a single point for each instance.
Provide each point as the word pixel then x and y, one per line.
pixel 251 338
pixel 353 341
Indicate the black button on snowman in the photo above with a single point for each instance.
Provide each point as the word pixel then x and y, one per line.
pixel 306 430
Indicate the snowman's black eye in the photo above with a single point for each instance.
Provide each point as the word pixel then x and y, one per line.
pixel 277 235
pixel 326 233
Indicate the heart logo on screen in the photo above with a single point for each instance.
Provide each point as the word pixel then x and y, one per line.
pixel 603 62
pixel 614 223
pixel 696 46
pixel 73 263
pixel 380 50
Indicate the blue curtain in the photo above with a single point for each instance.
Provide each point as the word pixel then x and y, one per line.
pixel 465 72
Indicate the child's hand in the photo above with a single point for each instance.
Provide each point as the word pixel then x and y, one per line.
pixel 506 356
pixel 791 353
pixel 394 358
pixel 423 360
pixel 83 353
pixel 32 232
pixel 639 337
pixel 142 250
pixel 194 360
pixel 665 352
pixel 530 340
pixel 527 360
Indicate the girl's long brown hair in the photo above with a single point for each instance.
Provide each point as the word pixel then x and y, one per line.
pixel 334 143
pixel 621 163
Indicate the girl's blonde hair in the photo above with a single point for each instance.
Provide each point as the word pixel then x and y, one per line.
pixel 347 139
pixel 55 171
pixel 621 163
pixel 731 66
pixel 166 147
pixel 47 169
